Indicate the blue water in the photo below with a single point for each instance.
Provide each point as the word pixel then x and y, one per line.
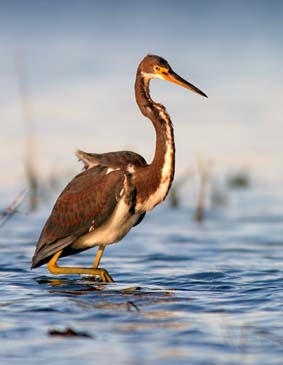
pixel 185 293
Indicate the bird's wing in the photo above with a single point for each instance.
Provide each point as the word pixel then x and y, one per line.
pixel 114 160
pixel 86 202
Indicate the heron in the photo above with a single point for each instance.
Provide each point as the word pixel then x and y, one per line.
pixel 116 189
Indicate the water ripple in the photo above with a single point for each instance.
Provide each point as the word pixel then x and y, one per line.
pixel 184 293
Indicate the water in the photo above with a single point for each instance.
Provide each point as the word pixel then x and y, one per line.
pixel 185 293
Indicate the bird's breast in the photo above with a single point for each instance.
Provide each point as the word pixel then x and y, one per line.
pixel 156 183
pixel 155 197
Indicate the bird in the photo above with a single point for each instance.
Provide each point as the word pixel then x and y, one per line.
pixel 116 189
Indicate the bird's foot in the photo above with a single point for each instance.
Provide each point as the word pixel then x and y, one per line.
pixel 104 276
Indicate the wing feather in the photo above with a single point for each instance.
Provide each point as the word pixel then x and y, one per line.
pixel 116 159
pixel 86 202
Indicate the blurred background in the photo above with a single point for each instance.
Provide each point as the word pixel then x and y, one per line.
pixel 185 292
pixel 67 73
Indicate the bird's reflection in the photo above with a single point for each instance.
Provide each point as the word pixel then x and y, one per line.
pixel 84 285
pixel 71 286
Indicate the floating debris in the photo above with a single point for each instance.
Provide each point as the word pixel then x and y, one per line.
pixel 131 290
pixel 130 305
pixel 68 332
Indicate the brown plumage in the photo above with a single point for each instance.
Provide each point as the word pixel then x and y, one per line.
pixel 86 202
pixel 111 159
pixel 101 204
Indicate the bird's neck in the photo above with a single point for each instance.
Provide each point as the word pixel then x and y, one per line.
pixel 155 180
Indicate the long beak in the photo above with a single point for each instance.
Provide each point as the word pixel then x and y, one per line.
pixel 173 77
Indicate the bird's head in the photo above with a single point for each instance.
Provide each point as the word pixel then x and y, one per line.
pixel 155 67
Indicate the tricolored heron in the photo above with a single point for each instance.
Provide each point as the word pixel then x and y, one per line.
pixel 101 204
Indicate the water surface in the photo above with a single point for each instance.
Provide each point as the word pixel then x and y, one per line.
pixel 185 293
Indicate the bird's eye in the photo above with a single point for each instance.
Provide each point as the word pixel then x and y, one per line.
pixel 157 68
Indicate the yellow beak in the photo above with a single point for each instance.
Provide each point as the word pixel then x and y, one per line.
pixel 173 77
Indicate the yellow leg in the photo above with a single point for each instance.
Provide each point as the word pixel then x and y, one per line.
pixel 98 256
pixel 56 270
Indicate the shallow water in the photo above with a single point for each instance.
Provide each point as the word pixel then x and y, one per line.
pixel 185 293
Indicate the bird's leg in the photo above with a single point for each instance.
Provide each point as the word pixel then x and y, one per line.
pixel 106 275
pixel 56 270
pixel 98 256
